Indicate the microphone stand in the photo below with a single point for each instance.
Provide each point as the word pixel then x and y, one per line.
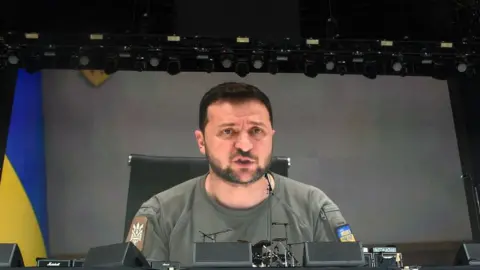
pixel 206 236
pixel 269 215
pixel 214 235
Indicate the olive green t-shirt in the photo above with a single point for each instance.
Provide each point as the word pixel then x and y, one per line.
pixel 175 218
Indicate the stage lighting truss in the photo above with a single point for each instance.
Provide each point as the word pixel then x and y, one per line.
pixel 241 55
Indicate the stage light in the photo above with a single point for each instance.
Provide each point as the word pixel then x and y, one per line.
pixel 84 60
pixel 329 64
pixel 370 69
pixel 206 63
pixel 439 71
pixel 242 69
pixel 471 72
pixel 342 68
pixel 334 56
pixel 140 63
pixel 13 59
pixel 111 65
pixel 32 63
pixel 461 67
pixel 257 61
pixel 173 66
pixel 226 58
pixel 154 62
pixel 310 69
pixel 79 62
pixel 397 66
pixel 273 66
pixel 209 65
pixel 466 67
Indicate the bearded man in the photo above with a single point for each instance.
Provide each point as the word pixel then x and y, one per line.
pixel 236 135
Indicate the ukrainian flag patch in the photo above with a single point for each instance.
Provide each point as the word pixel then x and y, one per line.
pixel 344 233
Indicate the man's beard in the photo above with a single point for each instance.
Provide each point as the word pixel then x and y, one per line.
pixel 228 174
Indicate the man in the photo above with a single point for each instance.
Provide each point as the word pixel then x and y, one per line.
pixel 236 135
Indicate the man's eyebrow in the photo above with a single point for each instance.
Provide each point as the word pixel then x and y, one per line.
pixel 227 125
pixel 255 123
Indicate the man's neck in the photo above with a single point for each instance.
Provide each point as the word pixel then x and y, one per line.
pixel 236 195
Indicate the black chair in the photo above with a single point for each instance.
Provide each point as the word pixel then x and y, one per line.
pixel 150 175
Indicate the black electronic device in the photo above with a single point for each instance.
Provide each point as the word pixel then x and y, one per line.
pixel 333 254
pixel 369 258
pixel 468 254
pixel 387 257
pixel 10 256
pixel 116 255
pixel 222 254
pixel 164 265
pixel 53 263
pixel 78 262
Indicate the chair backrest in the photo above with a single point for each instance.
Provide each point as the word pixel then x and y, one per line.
pixel 150 175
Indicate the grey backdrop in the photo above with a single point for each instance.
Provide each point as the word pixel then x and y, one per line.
pixel 384 150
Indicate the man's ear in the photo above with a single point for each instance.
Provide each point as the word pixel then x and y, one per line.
pixel 200 141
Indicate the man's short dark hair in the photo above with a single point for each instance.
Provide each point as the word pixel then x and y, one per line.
pixel 234 92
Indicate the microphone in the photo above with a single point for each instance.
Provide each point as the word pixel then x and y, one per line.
pixel 269 216
pixel 213 236
pixel 206 236
pixel 270 224
pixel 279 223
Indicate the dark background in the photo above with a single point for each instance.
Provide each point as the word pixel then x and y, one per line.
pixel 420 20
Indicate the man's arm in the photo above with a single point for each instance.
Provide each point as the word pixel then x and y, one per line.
pixel 147 233
pixel 331 226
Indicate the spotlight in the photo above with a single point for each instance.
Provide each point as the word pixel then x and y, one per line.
pixel 206 63
pixel 310 69
pixel 342 68
pixel 154 61
pixel 84 60
pixel 471 72
pixel 257 61
pixel 397 66
pixel 173 66
pixel 209 65
pixel 370 69
pixel 79 61
pixel 466 67
pixel 242 69
pixel 111 65
pixel 32 63
pixel 440 71
pixel 273 67
pixel 140 63
pixel 226 58
pixel 13 59
pixel 462 67
pixel 329 65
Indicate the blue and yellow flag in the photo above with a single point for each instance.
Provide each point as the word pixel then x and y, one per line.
pixel 23 209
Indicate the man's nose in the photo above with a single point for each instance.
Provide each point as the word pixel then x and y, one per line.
pixel 243 142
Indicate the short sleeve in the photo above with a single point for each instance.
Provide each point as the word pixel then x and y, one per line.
pixel 147 233
pixel 331 226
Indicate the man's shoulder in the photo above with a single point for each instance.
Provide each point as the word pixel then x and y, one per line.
pixel 303 193
pixel 300 189
pixel 176 195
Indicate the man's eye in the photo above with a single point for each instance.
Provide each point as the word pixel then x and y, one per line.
pixel 257 130
pixel 227 131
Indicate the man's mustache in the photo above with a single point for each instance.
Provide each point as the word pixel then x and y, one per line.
pixel 244 154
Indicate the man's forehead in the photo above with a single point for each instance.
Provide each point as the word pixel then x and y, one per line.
pixel 236 111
